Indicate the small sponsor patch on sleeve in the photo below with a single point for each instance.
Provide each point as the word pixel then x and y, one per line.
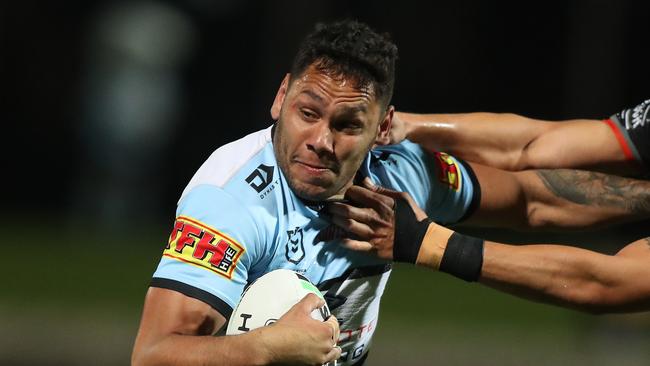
pixel 198 244
pixel 448 171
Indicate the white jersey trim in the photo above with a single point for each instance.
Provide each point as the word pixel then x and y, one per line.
pixel 226 161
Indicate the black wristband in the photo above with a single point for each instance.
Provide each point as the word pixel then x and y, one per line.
pixel 463 257
pixel 409 232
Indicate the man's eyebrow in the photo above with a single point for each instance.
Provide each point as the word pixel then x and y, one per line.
pixel 313 94
pixel 359 108
pixel 352 111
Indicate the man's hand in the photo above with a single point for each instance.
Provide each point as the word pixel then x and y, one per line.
pixel 399 130
pixel 370 218
pixel 298 339
pixel 173 321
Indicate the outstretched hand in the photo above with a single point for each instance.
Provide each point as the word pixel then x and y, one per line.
pixel 369 218
pixel 399 131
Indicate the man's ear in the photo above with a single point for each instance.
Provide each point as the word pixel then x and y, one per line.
pixel 383 133
pixel 279 98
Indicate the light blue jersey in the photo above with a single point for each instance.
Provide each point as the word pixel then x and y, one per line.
pixel 238 219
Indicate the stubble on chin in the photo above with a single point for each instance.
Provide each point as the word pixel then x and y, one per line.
pixel 308 191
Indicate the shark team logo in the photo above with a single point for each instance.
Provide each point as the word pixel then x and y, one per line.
pixel 295 250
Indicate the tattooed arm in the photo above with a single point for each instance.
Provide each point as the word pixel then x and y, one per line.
pixel 590 188
pixel 558 198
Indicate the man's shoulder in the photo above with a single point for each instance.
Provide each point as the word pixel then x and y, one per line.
pixel 405 147
pixel 388 156
pixel 235 211
pixel 225 163
pixel 236 188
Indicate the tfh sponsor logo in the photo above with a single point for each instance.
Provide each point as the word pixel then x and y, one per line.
pixel 194 242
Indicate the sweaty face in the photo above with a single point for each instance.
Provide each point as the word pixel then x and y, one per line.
pixel 325 128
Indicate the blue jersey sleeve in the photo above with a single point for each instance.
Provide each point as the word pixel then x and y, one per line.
pixel 440 184
pixel 211 249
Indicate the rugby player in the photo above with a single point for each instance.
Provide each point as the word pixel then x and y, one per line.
pixel 256 205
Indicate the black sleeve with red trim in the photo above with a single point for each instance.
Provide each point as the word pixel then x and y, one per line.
pixel 633 124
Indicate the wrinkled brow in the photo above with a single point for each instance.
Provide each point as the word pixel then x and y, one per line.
pixel 358 108
pixel 313 95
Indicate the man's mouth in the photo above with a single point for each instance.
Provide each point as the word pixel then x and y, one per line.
pixel 313 168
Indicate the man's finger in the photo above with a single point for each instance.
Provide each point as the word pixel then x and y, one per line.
pixel 419 213
pixel 310 303
pixel 353 227
pixel 367 183
pixel 334 323
pixel 368 198
pixel 363 215
pixel 357 245
pixel 334 354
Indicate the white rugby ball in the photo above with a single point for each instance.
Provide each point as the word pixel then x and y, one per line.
pixel 270 297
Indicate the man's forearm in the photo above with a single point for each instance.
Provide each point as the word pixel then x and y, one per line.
pixel 177 349
pixel 556 274
pixel 561 275
pixel 597 189
pixel 494 139
pixel 575 198
pixel 513 142
pixel 560 199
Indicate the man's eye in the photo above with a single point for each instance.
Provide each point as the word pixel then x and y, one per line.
pixel 307 114
pixel 351 127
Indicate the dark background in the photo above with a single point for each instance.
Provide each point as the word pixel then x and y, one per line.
pixel 109 107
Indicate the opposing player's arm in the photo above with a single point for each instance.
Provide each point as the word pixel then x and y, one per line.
pixel 390 225
pixel 571 277
pixel 513 142
pixel 177 330
pixel 559 198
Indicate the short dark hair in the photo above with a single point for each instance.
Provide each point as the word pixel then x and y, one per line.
pixel 351 49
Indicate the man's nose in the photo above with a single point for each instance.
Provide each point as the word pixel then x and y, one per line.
pixel 320 138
